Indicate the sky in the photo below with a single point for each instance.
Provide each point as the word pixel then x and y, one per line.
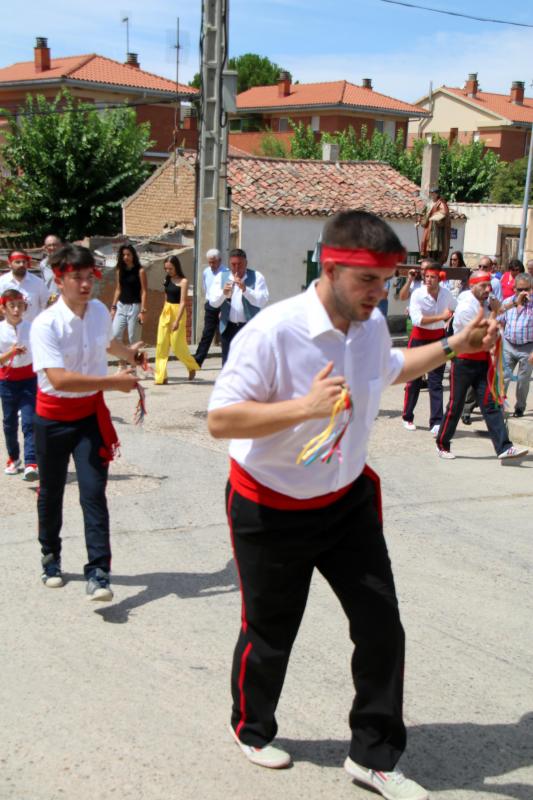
pixel 401 49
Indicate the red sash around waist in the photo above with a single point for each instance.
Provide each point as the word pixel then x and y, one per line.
pixel 70 409
pixel 482 355
pixel 8 373
pixel 249 487
pixel 427 334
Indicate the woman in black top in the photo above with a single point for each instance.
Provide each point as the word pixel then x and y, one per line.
pixel 129 301
pixel 172 328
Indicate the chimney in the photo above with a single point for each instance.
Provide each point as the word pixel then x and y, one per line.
pixel 132 60
pixel 367 83
pixel 41 54
pixel 330 151
pixel 284 84
pixel 517 93
pixel 471 86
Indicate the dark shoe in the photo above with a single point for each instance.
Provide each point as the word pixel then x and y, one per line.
pixel 98 586
pixel 518 412
pixel 51 575
pixel 466 420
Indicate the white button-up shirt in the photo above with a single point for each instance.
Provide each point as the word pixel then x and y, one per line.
pixel 467 310
pixel 208 276
pixel 33 290
pixel 61 339
pixel 422 304
pixel 258 296
pixel 275 357
pixel 47 274
pixel 16 334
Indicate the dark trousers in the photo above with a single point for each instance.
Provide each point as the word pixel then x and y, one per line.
pixel 55 442
pixel 470 402
pixel 412 391
pixel 466 372
pixel 211 318
pixel 19 396
pixel 276 553
pixel 231 330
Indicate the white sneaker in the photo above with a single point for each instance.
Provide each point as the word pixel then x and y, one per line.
pixel 514 452
pixel 409 426
pixel 31 473
pixel 435 431
pixel 445 453
pixel 268 756
pixel 391 785
pixel 13 467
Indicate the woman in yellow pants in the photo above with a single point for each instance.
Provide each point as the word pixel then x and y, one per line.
pixel 171 331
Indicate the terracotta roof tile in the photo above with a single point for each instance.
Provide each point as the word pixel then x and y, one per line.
pixel 93 69
pixel 499 104
pixel 335 93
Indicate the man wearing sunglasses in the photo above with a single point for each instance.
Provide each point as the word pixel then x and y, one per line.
pixel 517 319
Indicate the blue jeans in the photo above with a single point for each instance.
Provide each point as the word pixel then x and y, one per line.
pixel 55 442
pixel 127 316
pixel 19 396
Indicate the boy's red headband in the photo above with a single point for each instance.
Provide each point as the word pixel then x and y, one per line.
pixel 5 300
pixel 439 273
pixel 59 271
pixel 485 277
pixel 17 255
pixel 361 257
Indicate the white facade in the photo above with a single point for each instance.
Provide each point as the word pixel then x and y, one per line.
pixel 487 226
pixel 278 246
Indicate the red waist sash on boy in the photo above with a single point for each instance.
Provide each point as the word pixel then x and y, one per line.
pixel 247 486
pixel 70 409
pixel 8 373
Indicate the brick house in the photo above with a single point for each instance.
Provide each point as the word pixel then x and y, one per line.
pixel 279 207
pixel 326 107
pixel 103 81
pixel 502 121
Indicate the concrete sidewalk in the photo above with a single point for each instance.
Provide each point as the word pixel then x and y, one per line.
pixel 130 700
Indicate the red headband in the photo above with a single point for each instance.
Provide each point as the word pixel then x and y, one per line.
pixel 485 277
pixel 59 271
pixel 5 300
pixel 360 258
pixel 17 255
pixel 439 273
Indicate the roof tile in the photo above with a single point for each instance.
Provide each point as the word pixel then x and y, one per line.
pixel 499 104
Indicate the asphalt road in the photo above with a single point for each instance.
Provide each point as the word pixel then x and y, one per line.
pixel 130 700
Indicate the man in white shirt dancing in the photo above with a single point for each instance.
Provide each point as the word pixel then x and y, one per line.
pixel 286 371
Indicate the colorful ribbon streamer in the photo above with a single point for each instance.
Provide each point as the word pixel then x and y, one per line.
pixel 495 375
pixel 328 442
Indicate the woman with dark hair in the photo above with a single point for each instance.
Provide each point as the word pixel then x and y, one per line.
pixel 457 286
pixel 514 268
pixel 172 328
pixel 128 309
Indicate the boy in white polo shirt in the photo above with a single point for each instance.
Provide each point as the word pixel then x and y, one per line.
pixel 70 342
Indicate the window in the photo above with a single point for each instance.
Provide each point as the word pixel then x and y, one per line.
pixel 476 136
pixel 389 128
pixel 378 125
pixel 283 124
pixel 315 123
pixel 235 125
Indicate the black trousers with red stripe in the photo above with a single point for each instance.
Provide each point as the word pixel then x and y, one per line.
pixel 412 391
pixel 466 372
pixel 276 553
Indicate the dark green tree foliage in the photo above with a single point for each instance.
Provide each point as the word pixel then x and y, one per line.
pixel 271 146
pixel 510 183
pixel 252 70
pixel 70 166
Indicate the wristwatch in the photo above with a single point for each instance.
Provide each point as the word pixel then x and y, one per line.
pixel 448 351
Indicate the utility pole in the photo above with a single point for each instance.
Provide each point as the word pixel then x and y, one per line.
pixel 525 207
pixel 218 88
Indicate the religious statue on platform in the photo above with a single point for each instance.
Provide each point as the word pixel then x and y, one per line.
pixel 436 223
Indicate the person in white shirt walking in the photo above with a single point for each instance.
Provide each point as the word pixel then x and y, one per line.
pixel 430 309
pixel 51 245
pixel 211 314
pixel 285 373
pixel 32 288
pixel 70 342
pixel 240 293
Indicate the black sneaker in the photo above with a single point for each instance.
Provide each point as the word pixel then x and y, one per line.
pixel 51 575
pixel 518 412
pixel 466 419
pixel 98 587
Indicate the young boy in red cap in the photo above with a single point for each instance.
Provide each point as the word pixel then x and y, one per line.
pixel 18 384
pixel 70 342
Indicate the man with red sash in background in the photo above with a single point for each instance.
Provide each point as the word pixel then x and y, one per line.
pixel 287 368
pixel 70 342
pixel 431 308
pixel 471 369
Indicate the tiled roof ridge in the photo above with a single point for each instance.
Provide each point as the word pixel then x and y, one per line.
pixel 85 60
pixel 250 156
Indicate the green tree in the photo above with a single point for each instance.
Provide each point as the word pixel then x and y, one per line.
pixel 252 70
pixel 70 167
pixel 510 182
pixel 271 146
pixel 304 143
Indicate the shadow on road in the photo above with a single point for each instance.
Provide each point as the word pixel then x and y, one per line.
pixel 448 756
pixel 184 585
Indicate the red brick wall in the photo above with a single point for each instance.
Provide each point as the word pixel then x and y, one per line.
pixel 513 144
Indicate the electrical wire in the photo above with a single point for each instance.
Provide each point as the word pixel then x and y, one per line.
pixel 458 14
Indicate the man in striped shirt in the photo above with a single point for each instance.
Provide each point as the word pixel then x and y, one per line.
pixel 517 318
